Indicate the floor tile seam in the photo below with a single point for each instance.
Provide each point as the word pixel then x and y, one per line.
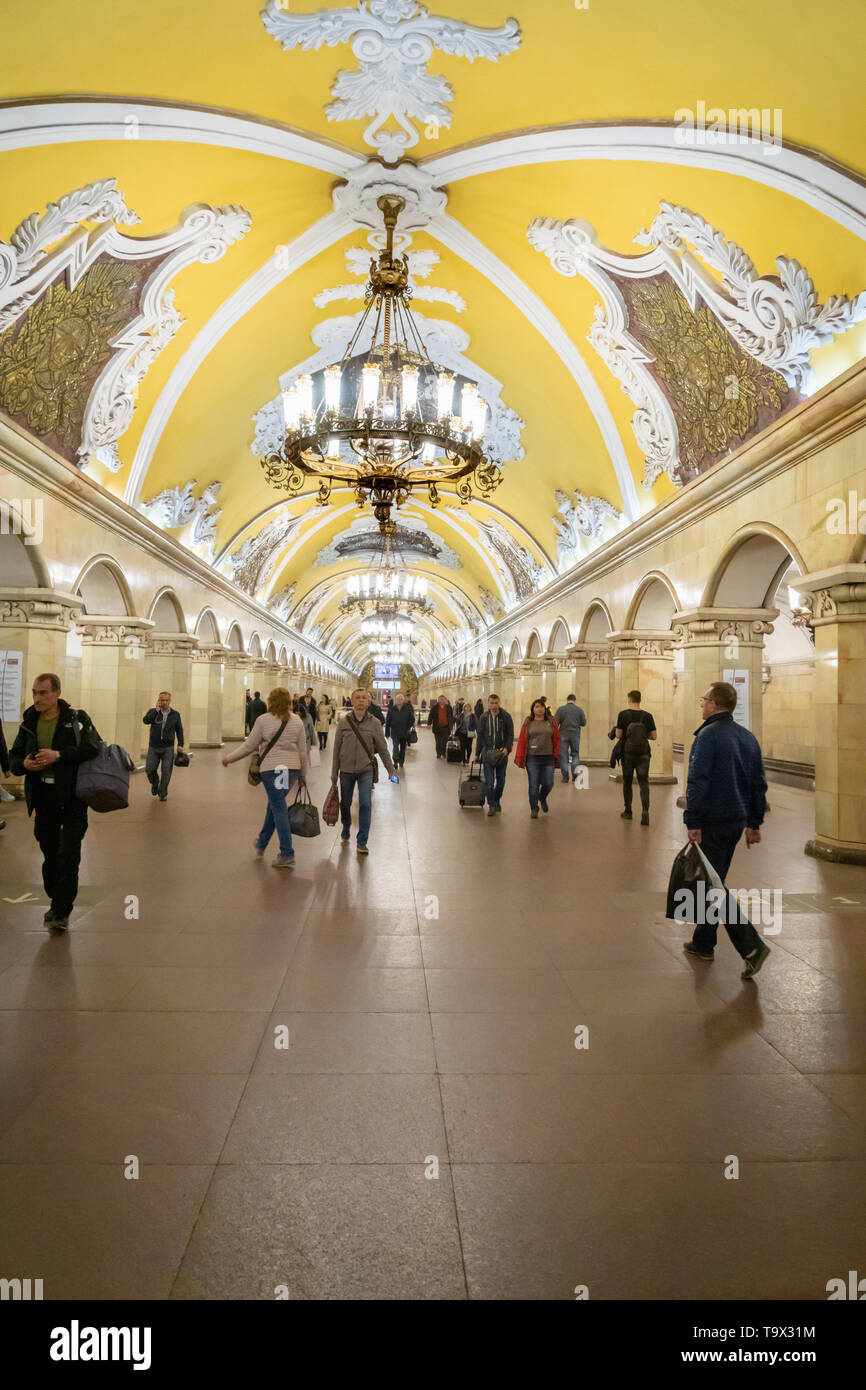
pixel 29 1165
pixel 435 1073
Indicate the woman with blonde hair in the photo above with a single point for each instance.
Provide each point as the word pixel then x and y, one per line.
pixel 279 740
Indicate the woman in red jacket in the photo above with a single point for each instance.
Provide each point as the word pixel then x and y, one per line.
pixel 538 752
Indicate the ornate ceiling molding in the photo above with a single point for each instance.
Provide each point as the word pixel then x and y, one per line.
pixel 807 175
pixel 277 268
pixel 584 517
pixel 464 244
pixel 28 268
pixel 359 195
pixel 393 41
pixel 776 323
pixel 177 508
pixel 420 263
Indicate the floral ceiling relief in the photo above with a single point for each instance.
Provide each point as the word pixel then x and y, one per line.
pixel 718 393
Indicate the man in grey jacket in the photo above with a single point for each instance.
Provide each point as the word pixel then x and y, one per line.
pixel 571 719
pixel 165 726
pixel 358 739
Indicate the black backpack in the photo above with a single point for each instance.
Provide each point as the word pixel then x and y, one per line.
pixel 636 740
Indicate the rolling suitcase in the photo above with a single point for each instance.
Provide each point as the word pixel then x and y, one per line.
pixel 471 789
pixel 454 750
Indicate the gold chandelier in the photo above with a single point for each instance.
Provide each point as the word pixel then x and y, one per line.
pixel 384 421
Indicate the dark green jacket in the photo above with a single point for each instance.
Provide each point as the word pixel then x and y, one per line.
pixel 72 751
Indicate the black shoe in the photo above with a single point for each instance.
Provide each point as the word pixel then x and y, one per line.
pixel 693 951
pixel 625 815
pixel 644 820
pixel 154 788
pixel 544 806
pixel 755 961
pixel 164 796
pixel 492 811
pixel 565 779
pixel 2 825
pixel 49 917
pixel 57 922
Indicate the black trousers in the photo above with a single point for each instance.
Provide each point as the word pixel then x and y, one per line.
pixel 466 744
pixel 398 746
pixel 323 738
pixel 718 844
pixel 629 768
pixel 60 830
pixel 441 735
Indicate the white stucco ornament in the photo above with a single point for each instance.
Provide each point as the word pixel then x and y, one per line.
pixel 393 41
pixel 358 197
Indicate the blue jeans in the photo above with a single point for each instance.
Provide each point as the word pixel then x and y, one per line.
pixel 569 750
pixel 364 782
pixel 277 785
pixel 162 758
pixel 494 778
pixel 540 779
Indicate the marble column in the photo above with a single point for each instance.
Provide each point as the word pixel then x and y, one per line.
pixel 206 696
pixel 592 670
pixel 716 640
pixel 37 623
pixel 644 661
pixel 235 686
pixel 114 650
pixel 838 601
pixel 168 666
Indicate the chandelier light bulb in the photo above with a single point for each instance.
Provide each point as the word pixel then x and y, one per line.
pixel 305 396
pixel 410 389
pixel 291 407
pixel 480 418
pixel 333 383
pixel 370 385
pixel 429 452
pixel 469 397
pixel 446 395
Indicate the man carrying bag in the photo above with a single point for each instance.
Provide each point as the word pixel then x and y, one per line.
pixel 358 739
pixel 495 741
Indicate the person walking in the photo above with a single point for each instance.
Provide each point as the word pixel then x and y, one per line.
pixel 52 740
pixel 248 723
pixel 465 726
pixel 310 705
pixel 400 719
pixel 495 741
pixel 636 752
pixel 375 709
pixel 165 725
pixel 257 706
pixel 726 793
pixel 538 751
pixel 300 709
pixel 479 707
pixel 441 721
pixel 358 739
pixel 279 740
pixel 324 720
pixel 570 719
pixel 4 764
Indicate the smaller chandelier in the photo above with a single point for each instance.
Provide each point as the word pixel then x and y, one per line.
pixel 386 625
pixel 388 581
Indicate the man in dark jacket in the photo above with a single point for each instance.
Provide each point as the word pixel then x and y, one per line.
pixel 165 726
pixel 310 705
pixel 51 742
pixel 726 793
pixel 495 738
pixel 255 707
pixel 440 720
pixel 399 721
pixel 4 764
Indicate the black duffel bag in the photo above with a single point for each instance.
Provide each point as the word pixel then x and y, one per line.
pixel 303 816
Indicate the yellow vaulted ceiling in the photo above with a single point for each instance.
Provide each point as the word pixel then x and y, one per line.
pixel 604 65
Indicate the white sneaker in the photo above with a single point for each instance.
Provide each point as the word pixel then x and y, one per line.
pixel 284 861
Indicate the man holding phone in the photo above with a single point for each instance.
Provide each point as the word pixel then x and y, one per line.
pixel 358 739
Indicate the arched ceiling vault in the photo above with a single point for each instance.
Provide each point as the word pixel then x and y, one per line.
pixel 577 120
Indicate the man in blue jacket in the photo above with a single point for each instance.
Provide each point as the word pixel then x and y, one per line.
pixel 165 726
pixel 725 795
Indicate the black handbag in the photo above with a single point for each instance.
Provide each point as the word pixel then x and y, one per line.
pixel 303 816
pixel 181 759
pixel 254 771
pixel 412 736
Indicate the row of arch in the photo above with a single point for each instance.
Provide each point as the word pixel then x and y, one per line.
pixel 104 589
pixel 748 575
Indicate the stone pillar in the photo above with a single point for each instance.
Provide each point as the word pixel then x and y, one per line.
pixel 716 640
pixel 592 674
pixel 36 623
pixel 114 651
pixel 838 600
pixel 168 666
pixel 206 696
pixel 234 696
pixel 644 661
pixel 508 690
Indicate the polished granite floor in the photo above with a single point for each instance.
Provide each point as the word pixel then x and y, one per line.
pixel 431 1131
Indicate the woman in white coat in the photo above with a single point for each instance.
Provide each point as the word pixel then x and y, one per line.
pixel 285 763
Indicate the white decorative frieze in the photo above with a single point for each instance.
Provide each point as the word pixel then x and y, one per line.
pixel 281 601
pixel 28 267
pixel 491 603
pixel 777 320
pixel 177 508
pixel 523 575
pixel 583 517
pixel 393 41
pixel 252 565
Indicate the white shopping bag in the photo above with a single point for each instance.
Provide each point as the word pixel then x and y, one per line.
pixel 315 756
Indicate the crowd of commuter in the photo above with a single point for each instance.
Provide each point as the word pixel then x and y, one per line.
pixel 286 735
